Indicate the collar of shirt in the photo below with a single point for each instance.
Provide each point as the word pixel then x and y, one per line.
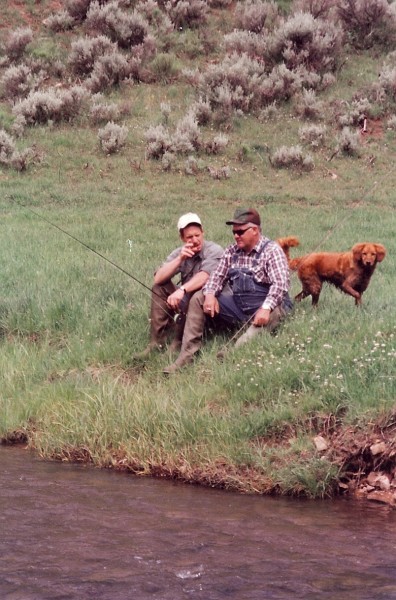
pixel 256 249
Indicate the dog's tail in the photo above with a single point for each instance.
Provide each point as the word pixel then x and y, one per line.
pixel 286 243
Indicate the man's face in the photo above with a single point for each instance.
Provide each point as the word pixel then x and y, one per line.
pixel 246 236
pixel 193 236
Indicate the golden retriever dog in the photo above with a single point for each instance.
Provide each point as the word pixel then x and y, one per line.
pixel 348 271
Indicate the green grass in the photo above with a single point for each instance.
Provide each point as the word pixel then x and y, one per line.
pixel 70 322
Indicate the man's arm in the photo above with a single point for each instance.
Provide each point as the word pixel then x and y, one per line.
pixel 192 285
pixel 172 266
pixel 278 273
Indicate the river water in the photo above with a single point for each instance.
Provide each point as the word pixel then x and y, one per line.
pixel 75 532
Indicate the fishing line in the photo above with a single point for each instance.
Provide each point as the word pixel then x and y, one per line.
pixel 73 237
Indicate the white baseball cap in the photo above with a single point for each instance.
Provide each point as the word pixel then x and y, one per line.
pixel 188 219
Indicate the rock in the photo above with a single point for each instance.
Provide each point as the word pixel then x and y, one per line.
pixel 320 443
pixel 379 480
pixel 382 497
pixel 378 448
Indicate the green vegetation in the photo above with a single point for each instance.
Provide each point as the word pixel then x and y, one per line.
pixel 70 322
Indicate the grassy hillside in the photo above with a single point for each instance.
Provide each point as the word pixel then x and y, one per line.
pixel 70 322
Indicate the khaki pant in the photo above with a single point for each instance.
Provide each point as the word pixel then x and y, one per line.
pixel 162 317
pixel 195 324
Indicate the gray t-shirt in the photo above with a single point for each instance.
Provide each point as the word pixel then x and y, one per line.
pixel 206 260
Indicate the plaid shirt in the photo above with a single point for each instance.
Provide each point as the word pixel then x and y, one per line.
pixel 270 268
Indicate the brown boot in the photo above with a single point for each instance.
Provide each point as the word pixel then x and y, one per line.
pixel 176 366
pixel 161 319
pixel 161 315
pixel 146 353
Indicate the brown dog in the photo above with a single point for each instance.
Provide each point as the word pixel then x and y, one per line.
pixel 349 271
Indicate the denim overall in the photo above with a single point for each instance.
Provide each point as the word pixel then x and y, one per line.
pixel 247 294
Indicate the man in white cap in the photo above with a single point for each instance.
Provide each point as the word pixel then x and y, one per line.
pixel 249 285
pixel 193 263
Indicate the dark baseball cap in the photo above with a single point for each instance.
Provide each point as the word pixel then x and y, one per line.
pixel 245 215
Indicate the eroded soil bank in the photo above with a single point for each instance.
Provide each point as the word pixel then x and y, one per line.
pixel 365 459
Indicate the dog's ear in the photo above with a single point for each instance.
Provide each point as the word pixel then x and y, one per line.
pixel 381 252
pixel 357 251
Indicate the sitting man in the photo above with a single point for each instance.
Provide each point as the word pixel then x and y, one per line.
pixel 250 284
pixel 194 262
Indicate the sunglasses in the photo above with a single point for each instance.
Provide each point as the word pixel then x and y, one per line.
pixel 240 232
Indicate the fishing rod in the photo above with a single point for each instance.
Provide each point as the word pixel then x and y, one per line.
pixel 73 237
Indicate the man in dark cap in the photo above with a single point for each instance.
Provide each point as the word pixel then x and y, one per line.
pixel 192 263
pixel 250 284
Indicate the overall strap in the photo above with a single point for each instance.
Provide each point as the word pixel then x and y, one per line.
pixel 235 256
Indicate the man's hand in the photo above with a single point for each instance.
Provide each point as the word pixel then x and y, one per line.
pixel 187 251
pixel 211 305
pixel 261 317
pixel 175 298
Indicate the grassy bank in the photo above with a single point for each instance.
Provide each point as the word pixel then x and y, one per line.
pixel 70 322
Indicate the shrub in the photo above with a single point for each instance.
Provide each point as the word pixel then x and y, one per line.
pixel 269 112
pixel 281 84
pixel 51 105
pixel 189 13
pixel 219 3
pixel 100 112
pixel 61 21
pixel 78 8
pixel 112 137
pixel 85 51
pixel 165 111
pixel 217 144
pixel 245 42
pixel 158 141
pixel 17 41
pixel 387 82
pixel 254 15
pixel 109 69
pixel 191 166
pixel 7 146
pixel 185 139
pixel 354 112
pixel 315 135
pixel 10 156
pixel 368 23
pixel 308 106
pixel 21 159
pixel 220 173
pixel 319 9
pixel 391 123
pixel 233 84
pixel 127 29
pixel 187 136
pixel 201 111
pixel 302 40
pixel 167 161
pixel 156 17
pixel 16 81
pixel 349 142
pixel 18 126
pixel 164 68
pixel 291 157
